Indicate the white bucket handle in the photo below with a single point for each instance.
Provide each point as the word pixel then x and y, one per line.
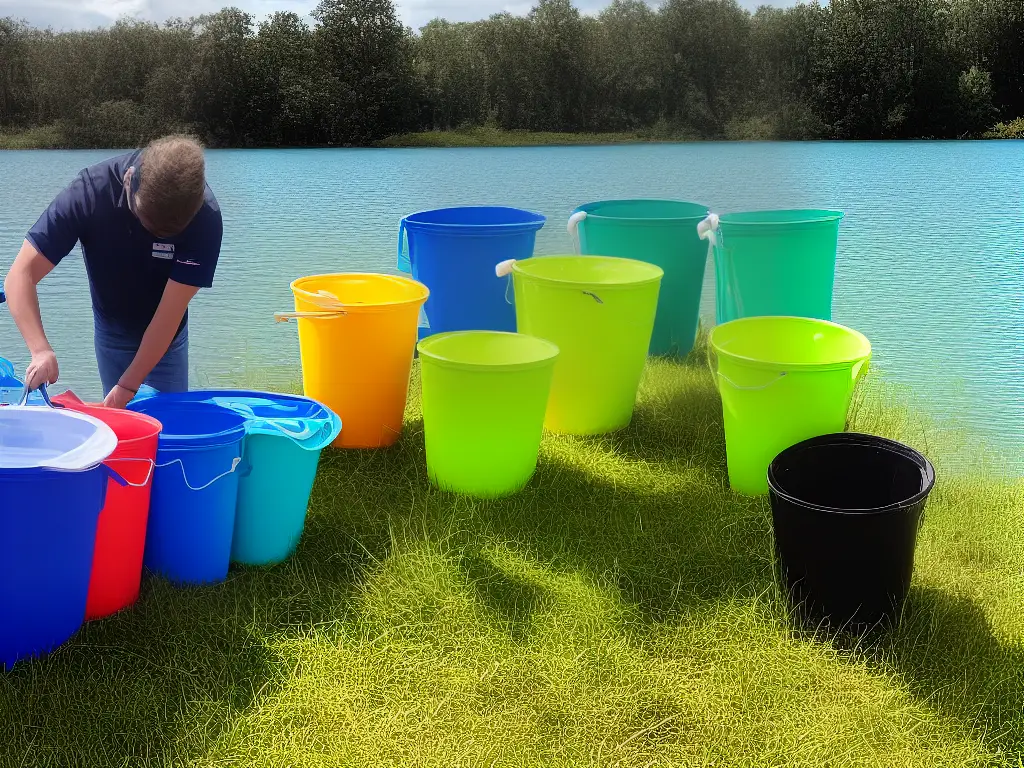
pixel 574 229
pixel 504 269
pixel 330 305
pixel 404 256
pixel 234 467
pixel 149 476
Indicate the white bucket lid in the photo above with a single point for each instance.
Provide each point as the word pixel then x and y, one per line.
pixel 48 438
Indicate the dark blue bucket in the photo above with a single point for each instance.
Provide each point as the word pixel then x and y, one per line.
pixel 453 251
pixel 195 490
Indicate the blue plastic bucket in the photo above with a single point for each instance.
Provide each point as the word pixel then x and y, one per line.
pixel 453 251
pixel 286 435
pixel 195 490
pixel 10 385
pixel 48 520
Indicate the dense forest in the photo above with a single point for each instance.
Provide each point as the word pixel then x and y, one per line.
pixel 852 69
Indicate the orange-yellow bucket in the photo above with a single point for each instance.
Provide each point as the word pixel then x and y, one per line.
pixel 357 337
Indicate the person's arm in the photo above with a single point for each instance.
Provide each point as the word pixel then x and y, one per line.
pixel 28 269
pixel 155 342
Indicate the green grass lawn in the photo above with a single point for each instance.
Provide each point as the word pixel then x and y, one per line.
pixel 482 136
pixel 619 612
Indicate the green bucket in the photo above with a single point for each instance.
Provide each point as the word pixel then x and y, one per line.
pixel 660 232
pixel 783 380
pixel 484 398
pixel 600 312
pixel 775 263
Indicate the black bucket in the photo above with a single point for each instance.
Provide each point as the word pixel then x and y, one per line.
pixel 847 509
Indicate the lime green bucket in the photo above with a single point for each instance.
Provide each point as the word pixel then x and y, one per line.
pixel 660 232
pixel 783 380
pixel 600 312
pixel 774 262
pixel 484 398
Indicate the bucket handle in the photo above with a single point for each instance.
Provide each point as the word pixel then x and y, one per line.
pixel 504 269
pixel 718 375
pixel 574 229
pixel 235 463
pixel 125 481
pixel 42 391
pixel 710 229
pixel 404 257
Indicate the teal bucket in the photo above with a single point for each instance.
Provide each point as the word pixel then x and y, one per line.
pixel 285 435
pixel 774 263
pixel 659 232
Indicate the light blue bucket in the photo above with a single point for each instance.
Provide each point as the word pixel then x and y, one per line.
pixel 285 436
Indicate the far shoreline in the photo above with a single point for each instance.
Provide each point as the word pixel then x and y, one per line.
pixel 53 138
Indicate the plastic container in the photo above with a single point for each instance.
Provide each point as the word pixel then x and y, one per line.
pixel 484 398
pixel 52 487
pixel 663 233
pixel 776 263
pixel 783 380
pixel 846 510
pixel 121 534
pixel 357 336
pixel 195 490
pixel 10 386
pixel 453 251
pixel 599 312
pixel 285 436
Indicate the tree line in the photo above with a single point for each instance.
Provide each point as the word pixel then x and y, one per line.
pixel 852 69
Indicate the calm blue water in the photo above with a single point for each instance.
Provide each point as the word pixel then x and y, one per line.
pixel 931 263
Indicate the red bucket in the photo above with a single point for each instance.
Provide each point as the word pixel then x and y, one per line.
pixel 121 535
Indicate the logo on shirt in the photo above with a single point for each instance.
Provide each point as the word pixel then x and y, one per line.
pixel 189 263
pixel 163 251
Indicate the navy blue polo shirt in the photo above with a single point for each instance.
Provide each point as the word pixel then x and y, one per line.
pixel 128 267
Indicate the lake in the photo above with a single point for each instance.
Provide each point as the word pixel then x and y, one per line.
pixel 930 257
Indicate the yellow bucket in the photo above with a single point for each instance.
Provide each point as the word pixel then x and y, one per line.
pixel 357 337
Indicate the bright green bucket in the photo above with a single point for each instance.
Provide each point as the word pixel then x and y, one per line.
pixel 775 263
pixel 484 398
pixel 783 380
pixel 600 312
pixel 663 233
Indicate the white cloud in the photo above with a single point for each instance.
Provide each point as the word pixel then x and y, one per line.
pixel 78 14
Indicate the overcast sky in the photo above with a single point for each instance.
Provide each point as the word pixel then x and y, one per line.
pixel 65 14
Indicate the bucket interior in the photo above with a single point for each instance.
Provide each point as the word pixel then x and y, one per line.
pixel 589 270
pixel 475 349
pixel 789 342
pixel 772 218
pixel 355 290
pixel 646 210
pixel 477 216
pixel 852 473
pixel 199 424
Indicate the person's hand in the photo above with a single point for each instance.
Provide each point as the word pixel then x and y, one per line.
pixel 118 398
pixel 42 370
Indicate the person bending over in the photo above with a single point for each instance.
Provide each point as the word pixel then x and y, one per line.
pixel 151 230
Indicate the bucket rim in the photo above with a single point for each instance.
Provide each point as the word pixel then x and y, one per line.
pixel 298 292
pixel 775 366
pixel 857 439
pixel 227 436
pixel 826 215
pixel 655 273
pixel 548 359
pixel 538 219
pixel 588 208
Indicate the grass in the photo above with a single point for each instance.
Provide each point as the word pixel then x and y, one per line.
pixel 43 137
pixel 619 612
pixel 496 137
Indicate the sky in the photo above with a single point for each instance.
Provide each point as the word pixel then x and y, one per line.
pixel 78 14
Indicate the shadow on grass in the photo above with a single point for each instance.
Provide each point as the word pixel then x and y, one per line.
pixel 953 663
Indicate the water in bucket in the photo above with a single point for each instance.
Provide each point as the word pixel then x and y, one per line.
pixel 846 511
pixel 484 398
pixel 599 312
pixel 195 490
pixel 782 380
pixel 285 435
pixel 121 534
pixel 779 263
pixel 663 233
pixel 357 336
pixel 52 487
pixel 453 251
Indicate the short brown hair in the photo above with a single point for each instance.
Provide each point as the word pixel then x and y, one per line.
pixel 172 184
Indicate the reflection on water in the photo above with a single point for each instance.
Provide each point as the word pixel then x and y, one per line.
pixel 930 264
